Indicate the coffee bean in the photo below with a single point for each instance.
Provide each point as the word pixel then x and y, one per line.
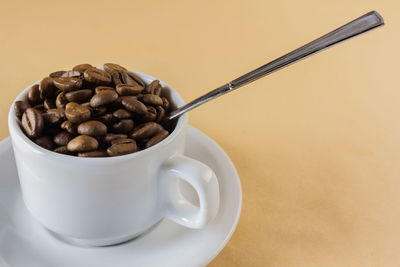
pixel 97 76
pixel 121 149
pixel 122 141
pixel 137 79
pixel 102 88
pixel 99 111
pixel 32 122
pixel 83 143
pixel 47 88
pixel 134 105
pixel 92 128
pixel 150 99
pixel 45 142
pixel 57 74
pixel 160 114
pixel 72 74
pixel 110 67
pixel 122 114
pixel 151 114
pixel 152 87
pixel 49 104
pixel 68 83
pixel 54 116
pixel 165 103
pixel 82 67
pixel 146 130
pixel 34 95
pixel 125 89
pixel 76 113
pixel 129 80
pixel 108 138
pixel 62 150
pixel 61 100
pixel 62 138
pixel 116 77
pixel 20 107
pixel 157 138
pixel 79 96
pixel 103 98
pixel 123 126
pixel 40 108
pixel 69 127
pixel 93 154
pixel 106 118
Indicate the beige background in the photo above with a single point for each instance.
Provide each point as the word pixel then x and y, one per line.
pixel 317 145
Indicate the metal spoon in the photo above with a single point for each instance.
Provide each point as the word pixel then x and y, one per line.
pixel 360 25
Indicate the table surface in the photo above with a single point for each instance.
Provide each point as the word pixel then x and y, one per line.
pixel 316 145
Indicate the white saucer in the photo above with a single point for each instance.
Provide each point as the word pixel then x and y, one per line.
pixel 24 243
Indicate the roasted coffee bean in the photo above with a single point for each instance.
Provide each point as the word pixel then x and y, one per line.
pixel 121 149
pixel 126 79
pixel 40 108
pixel 122 141
pixel 69 127
pixel 83 143
pixel 108 138
pixel 72 74
pixel 134 105
pixel 57 74
pixel 102 88
pixel 49 104
pixel 76 113
pixel 151 114
pixel 99 111
pixel 68 83
pixel 34 95
pixel 93 154
pixel 82 67
pixel 123 126
pixel 106 118
pixel 62 150
pixel 79 96
pixel 125 89
pixel 137 79
pixel 47 88
pixel 92 128
pixel 152 87
pixel 150 99
pixel 97 76
pixel 146 130
pixel 122 114
pixel 61 100
pixel 165 103
pixel 63 138
pixel 32 122
pixel 20 107
pixel 110 67
pixel 45 142
pixel 160 114
pixel 157 138
pixel 116 77
pixel 54 116
pixel 103 98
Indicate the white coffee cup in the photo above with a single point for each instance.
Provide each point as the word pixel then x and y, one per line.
pixel 104 201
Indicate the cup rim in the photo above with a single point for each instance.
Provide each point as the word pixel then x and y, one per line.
pixel 17 133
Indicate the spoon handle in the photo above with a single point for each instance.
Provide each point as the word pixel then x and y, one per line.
pixel 360 25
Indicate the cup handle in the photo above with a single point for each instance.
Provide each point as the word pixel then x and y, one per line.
pixel 203 180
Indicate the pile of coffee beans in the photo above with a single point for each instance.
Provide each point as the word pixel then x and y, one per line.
pixel 90 112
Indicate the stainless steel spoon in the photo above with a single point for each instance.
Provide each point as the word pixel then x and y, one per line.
pixel 358 26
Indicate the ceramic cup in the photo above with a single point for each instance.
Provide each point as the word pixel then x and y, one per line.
pixel 104 201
